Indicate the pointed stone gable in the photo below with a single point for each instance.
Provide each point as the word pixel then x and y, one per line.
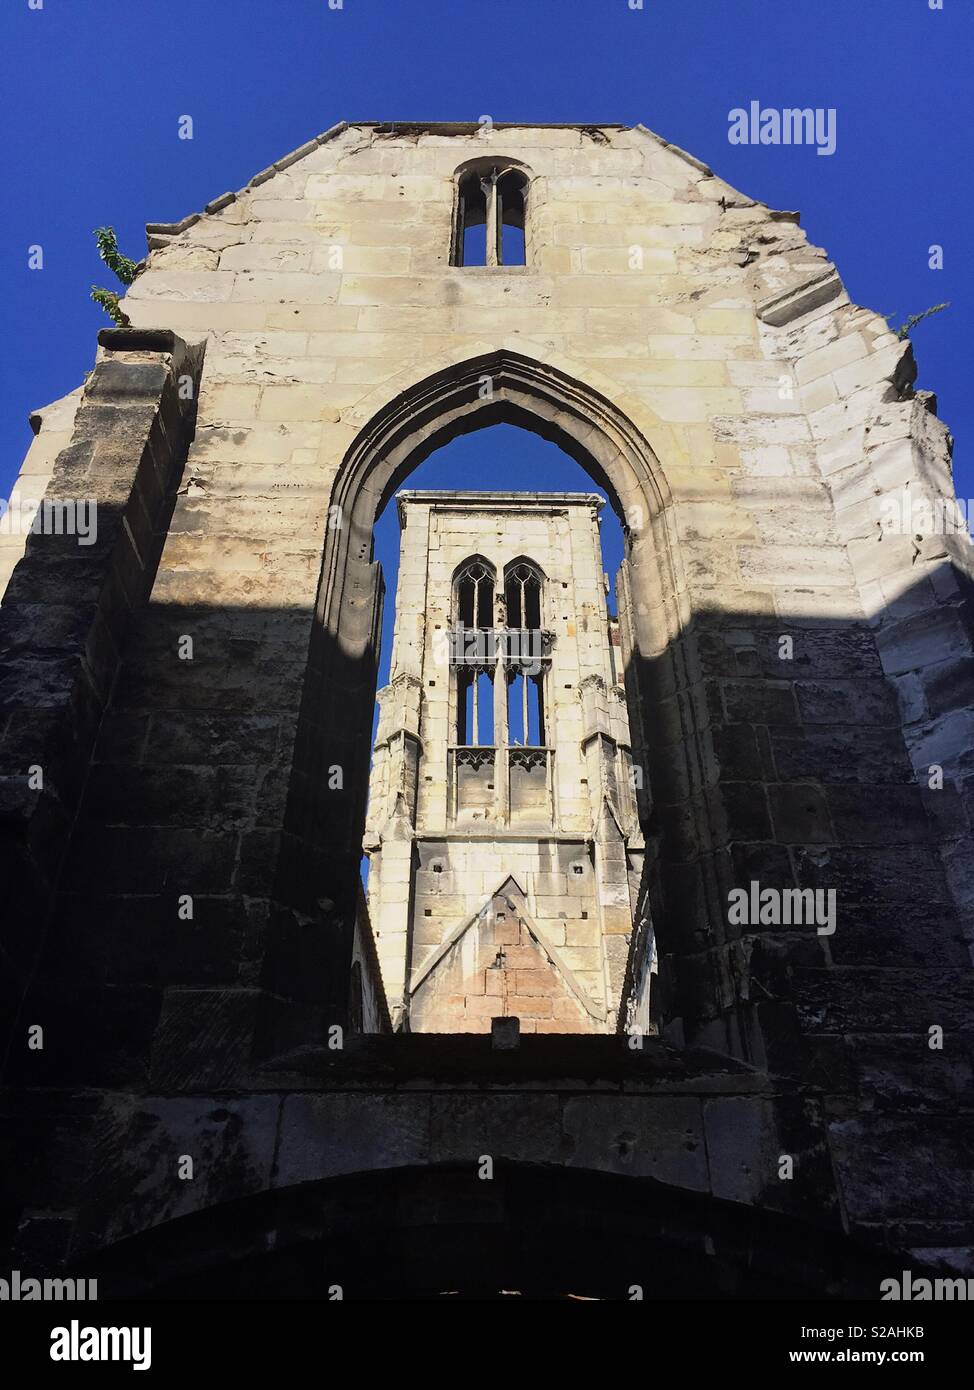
pixel 497 964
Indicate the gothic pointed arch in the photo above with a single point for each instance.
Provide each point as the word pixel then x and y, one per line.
pixel 474 582
pixel 398 426
pixel 524 581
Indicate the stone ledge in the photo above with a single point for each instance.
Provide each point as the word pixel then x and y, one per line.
pixel 567 1061
pixel 801 299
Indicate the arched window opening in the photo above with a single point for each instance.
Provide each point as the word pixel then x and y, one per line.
pixel 474 594
pixel 475 709
pixel 522 594
pixel 511 189
pixel 491 216
pixel 525 711
pixel 472 215
pixel 483 705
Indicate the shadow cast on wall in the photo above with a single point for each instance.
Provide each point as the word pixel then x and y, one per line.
pixel 531 1232
pixel 203 876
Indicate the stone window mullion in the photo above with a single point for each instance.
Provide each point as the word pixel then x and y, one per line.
pixel 493 221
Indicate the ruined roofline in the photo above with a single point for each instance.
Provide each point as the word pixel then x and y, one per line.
pixel 472 127
pixel 158 234
pixel 495 501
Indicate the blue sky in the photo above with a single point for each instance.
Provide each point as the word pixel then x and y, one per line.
pixel 92 93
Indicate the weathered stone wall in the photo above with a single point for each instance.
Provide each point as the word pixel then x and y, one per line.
pixel 67 616
pixel 52 428
pixel 704 361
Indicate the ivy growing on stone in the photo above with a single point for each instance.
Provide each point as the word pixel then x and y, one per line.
pixel 123 267
pixel 108 300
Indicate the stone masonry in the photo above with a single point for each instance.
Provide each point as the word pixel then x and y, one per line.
pixel 185 921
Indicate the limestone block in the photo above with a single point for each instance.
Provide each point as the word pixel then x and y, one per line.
pixel 297 232
pixel 620 260
pixel 879 366
pixel 259 443
pixel 724 322
pixel 714 347
pixel 817 395
pixel 850 412
pixel 214 234
pixel 256 256
pixel 199 287
pixel 280 187
pixel 352 188
pixel 325 317
pixel 229 404
pixel 362 260
pixel 920 641
pixel 284 287
pixel 607 291
pixel 329 212
pixel 825 565
pixel 273 343
pixel 690 403
pixel 761 432
pixel 193 321
pixel 184 256
pixel 292 403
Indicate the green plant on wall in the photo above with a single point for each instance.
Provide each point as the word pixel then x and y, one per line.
pixel 121 266
pixel 908 325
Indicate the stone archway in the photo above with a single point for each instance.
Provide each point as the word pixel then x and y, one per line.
pixel 535 1231
pixel 400 427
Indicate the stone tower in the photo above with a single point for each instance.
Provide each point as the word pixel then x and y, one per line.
pixel 503 829
pixel 187 700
